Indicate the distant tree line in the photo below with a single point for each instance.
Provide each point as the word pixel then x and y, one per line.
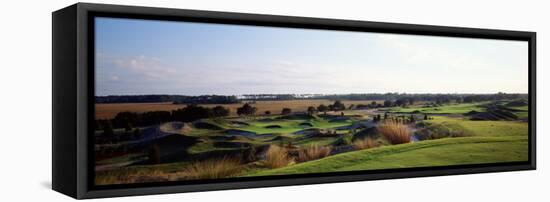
pixel 402 98
pixel 176 99
pixel 491 97
pixel 256 97
pixel 129 120
pixel 399 99
pixel 336 106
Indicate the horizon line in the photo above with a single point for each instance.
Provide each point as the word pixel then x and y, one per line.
pixel 319 94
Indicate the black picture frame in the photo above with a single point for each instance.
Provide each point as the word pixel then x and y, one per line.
pixel 73 98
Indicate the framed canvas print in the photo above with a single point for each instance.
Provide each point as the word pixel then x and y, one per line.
pixel 155 100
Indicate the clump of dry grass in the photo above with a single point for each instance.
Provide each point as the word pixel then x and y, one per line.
pixel 312 153
pixel 128 176
pixel 395 132
pixel 213 168
pixel 366 143
pixel 277 157
pixel 208 169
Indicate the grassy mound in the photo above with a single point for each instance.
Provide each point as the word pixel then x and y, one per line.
pixel 517 103
pixel 297 116
pixel 501 111
pixel 172 127
pixel 485 128
pixel 308 131
pixel 442 152
pixel 266 120
pixel 206 125
pixel 430 131
pixel 279 139
pixel 442 109
pixel 493 114
pixel 240 123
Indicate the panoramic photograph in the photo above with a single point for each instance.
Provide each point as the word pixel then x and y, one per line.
pixel 183 101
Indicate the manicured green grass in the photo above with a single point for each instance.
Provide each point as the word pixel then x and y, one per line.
pixel 487 142
pixel 522 115
pixel 486 128
pixel 287 126
pixel 524 108
pixel 445 109
pixel 290 126
pixel 441 152
pixel 492 141
pixel 261 127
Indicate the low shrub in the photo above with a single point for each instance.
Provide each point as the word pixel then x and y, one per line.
pixel 432 131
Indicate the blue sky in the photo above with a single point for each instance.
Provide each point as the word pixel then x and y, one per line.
pixel 161 57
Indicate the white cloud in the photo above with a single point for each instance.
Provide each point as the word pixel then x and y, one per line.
pixel 400 63
pixel 148 67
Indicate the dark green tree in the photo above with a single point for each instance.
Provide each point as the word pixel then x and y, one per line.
pixel 388 103
pixel 322 108
pixel 192 113
pixel 286 111
pixel 220 111
pixel 246 109
pixel 311 110
pixel 338 105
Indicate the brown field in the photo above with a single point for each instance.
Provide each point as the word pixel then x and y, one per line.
pixel 107 111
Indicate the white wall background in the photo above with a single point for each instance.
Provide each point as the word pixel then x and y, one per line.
pixel 25 89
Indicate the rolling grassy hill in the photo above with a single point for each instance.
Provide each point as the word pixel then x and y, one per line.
pixel 492 141
pixel 441 152
pixel 459 141
pixel 444 109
